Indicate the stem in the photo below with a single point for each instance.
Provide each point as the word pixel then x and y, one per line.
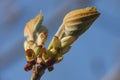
pixel 37 71
pixel 39 68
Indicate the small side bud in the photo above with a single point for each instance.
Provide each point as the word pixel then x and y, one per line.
pixel 42 37
pixel 30 55
pixel 38 51
pixel 29 65
pixel 55 43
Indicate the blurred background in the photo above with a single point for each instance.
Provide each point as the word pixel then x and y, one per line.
pixel 94 56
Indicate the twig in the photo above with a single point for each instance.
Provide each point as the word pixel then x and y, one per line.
pixel 37 71
pixel 40 67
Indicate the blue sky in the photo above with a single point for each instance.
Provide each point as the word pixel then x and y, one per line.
pixel 92 56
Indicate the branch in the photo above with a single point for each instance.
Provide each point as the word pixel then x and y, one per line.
pixel 40 67
pixel 37 71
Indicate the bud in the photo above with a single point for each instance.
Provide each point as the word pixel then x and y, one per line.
pixel 30 55
pixel 54 48
pixel 42 37
pixel 55 43
pixel 38 50
pixel 34 27
pixel 45 54
pixel 77 22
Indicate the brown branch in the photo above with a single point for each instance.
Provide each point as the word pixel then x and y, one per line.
pixel 40 67
pixel 37 71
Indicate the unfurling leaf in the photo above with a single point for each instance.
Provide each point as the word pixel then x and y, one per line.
pixel 55 43
pixel 34 27
pixel 30 55
pixel 36 36
pixel 74 24
pixel 55 46
pixel 77 22
pixel 42 37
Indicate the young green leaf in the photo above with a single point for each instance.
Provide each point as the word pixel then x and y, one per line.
pixel 77 22
pixel 34 27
